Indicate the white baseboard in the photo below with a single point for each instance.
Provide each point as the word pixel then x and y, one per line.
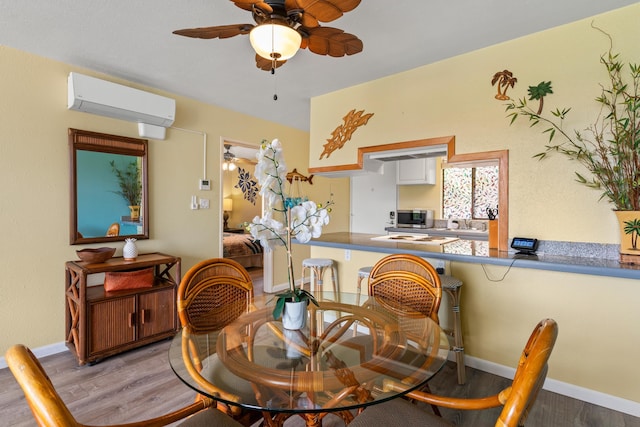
pixel 586 395
pixel 41 352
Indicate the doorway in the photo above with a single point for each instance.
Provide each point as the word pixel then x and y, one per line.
pixel 238 161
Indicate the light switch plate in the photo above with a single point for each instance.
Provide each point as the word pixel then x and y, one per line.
pixel 204 203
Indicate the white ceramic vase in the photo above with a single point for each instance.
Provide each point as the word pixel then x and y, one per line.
pixel 130 250
pixel 294 315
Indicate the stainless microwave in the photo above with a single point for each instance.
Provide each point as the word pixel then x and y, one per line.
pixel 414 218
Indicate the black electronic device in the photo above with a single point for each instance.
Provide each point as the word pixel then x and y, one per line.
pixel 525 245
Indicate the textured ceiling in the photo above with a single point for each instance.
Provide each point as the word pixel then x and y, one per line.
pixel 132 40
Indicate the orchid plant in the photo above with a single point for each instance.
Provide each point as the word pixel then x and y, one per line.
pixel 284 218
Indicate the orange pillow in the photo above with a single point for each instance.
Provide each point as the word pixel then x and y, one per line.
pixel 119 280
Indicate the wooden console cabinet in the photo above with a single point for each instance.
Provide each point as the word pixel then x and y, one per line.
pixel 100 324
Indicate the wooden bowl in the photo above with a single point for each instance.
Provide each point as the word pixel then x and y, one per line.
pixel 97 255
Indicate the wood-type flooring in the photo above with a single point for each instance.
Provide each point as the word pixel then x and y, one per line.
pixel 140 384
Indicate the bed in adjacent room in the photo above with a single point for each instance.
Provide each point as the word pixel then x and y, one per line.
pixel 243 249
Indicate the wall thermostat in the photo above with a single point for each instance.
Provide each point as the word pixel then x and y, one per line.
pixel 524 245
pixel 205 184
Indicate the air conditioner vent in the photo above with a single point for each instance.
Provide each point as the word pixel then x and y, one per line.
pixel 95 96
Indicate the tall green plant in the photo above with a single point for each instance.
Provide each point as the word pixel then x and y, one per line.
pixel 129 182
pixel 609 148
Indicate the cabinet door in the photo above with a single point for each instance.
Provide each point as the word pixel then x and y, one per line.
pixel 416 171
pixel 157 312
pixel 112 323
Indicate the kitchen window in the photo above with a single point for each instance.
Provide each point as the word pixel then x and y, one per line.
pixel 467 192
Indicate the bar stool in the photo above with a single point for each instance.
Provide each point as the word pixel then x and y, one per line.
pixel 363 273
pixel 452 286
pixel 317 268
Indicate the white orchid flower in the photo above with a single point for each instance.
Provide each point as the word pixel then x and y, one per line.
pixel 306 218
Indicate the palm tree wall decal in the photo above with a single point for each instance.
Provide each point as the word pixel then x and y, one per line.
pixel 539 92
pixel 504 80
pixel 633 228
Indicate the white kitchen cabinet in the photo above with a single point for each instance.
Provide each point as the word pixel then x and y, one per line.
pixel 416 171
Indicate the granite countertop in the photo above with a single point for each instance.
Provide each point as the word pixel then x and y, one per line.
pixel 478 252
pixel 464 233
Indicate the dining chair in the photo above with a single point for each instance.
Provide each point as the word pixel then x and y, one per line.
pixel 49 410
pixel 212 294
pixel 411 286
pixel 113 230
pixel 516 400
pixel 408 284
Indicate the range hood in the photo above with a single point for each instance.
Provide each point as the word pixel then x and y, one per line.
pixel 373 162
pixel 409 153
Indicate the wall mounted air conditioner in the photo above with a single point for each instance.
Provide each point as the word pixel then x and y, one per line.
pixel 95 96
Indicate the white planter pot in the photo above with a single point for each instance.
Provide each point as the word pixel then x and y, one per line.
pixel 294 344
pixel 294 315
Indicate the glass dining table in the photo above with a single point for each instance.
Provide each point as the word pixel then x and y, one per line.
pixel 337 363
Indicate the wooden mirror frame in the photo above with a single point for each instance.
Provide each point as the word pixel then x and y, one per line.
pixel 113 144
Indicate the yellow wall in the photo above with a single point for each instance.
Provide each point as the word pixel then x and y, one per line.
pixel 34 172
pixel 455 97
pixel 598 316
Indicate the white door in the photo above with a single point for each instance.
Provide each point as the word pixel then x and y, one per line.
pixel 373 197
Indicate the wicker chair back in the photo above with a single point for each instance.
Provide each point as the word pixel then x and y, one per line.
pixel 407 284
pixel 213 293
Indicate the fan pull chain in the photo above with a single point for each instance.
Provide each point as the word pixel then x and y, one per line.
pixel 275 81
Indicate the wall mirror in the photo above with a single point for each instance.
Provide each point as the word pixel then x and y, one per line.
pixel 109 194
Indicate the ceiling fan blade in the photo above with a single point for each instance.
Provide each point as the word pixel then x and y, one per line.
pixel 266 64
pixel 221 31
pixel 326 10
pixel 333 42
pixel 248 5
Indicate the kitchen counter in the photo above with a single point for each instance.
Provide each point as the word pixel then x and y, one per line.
pixel 478 252
pixel 469 234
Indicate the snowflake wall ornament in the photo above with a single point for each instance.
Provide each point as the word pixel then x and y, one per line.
pixel 247 185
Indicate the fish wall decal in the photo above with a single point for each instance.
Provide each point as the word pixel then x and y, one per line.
pixel 295 175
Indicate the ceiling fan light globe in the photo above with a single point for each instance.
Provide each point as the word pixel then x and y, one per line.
pixel 228 166
pixel 275 41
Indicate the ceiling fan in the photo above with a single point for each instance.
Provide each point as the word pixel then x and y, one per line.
pixel 229 158
pixel 284 26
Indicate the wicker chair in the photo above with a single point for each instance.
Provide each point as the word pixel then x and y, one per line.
pixel 408 284
pixel 113 230
pixel 212 294
pixel 49 409
pixel 516 400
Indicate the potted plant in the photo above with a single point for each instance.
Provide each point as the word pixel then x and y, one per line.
pixel 285 218
pixel 130 186
pixel 609 148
